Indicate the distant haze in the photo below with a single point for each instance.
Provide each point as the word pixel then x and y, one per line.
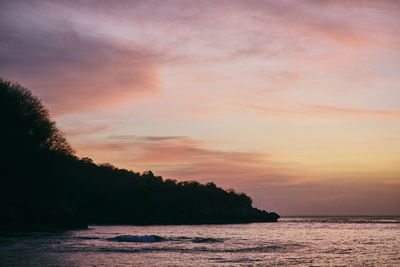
pixel 296 103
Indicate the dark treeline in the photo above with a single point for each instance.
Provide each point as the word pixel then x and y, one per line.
pixel 44 185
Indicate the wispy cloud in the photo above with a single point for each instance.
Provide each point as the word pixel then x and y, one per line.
pixel 175 149
pixel 341 110
pixel 323 111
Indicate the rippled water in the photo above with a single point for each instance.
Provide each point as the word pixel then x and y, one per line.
pixel 306 241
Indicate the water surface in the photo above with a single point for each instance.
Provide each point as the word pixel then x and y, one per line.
pixel 295 241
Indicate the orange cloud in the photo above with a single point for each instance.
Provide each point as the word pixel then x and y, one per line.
pixel 174 149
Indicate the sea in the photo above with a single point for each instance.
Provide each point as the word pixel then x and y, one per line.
pixel 292 241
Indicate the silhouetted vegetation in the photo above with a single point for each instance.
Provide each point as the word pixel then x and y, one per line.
pixel 43 184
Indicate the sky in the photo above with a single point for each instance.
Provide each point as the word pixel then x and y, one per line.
pixel 295 103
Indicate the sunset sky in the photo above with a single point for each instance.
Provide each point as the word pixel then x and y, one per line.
pixel 296 103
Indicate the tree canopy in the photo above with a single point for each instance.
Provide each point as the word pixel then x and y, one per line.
pixel 26 122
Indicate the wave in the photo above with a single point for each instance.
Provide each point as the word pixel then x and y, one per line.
pixel 87 237
pixel 156 238
pixel 207 240
pixel 197 239
pixel 137 238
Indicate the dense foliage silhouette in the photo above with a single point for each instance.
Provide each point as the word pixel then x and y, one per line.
pixel 44 185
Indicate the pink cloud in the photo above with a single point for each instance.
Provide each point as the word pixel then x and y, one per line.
pixel 73 70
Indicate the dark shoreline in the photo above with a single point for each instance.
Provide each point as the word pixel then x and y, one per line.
pixel 54 227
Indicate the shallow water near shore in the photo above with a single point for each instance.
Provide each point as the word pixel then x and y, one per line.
pixel 299 241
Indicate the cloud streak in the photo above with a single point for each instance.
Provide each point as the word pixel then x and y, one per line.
pixel 324 111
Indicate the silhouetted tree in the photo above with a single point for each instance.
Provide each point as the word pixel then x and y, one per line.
pixel 26 122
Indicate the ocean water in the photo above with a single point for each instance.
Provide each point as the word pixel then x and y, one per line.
pixel 295 241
